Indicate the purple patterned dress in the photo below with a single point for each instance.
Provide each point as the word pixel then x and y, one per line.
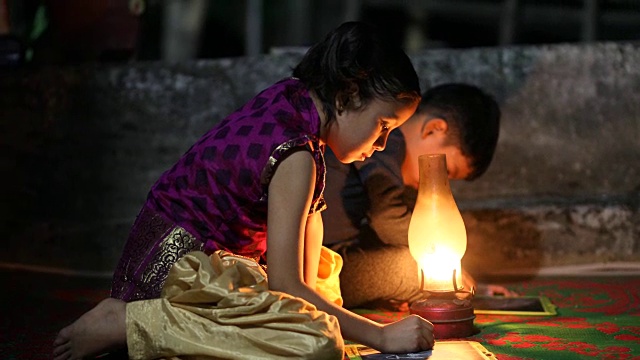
pixel 215 196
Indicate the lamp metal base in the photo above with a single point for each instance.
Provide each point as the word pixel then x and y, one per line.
pixel 451 317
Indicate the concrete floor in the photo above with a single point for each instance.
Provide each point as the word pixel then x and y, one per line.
pixel 36 305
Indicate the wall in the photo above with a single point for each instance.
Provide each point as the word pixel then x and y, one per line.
pixel 81 146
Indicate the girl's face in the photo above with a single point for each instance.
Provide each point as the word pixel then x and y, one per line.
pixel 356 134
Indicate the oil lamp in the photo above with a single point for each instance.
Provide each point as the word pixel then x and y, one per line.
pixel 437 241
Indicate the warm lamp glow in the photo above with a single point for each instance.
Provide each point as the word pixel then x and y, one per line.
pixel 437 235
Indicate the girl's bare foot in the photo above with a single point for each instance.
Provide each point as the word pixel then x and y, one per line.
pixel 99 330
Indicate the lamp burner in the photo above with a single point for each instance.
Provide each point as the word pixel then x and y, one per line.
pixel 450 312
pixel 451 316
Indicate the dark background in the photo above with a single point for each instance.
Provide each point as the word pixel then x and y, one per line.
pixel 99 97
pixel 75 31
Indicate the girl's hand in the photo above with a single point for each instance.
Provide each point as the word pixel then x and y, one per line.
pixel 411 334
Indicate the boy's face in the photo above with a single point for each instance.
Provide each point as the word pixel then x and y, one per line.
pixel 436 142
pixel 457 164
pixel 356 134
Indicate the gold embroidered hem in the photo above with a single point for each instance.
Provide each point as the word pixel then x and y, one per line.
pixel 153 246
pixel 219 307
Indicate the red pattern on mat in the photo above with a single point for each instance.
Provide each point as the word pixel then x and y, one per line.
pixel 597 318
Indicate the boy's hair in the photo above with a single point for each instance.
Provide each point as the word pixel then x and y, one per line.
pixel 354 57
pixel 473 119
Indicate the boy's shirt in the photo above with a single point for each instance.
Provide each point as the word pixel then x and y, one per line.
pixel 367 202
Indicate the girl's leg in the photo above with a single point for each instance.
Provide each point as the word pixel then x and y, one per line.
pixel 100 330
pixel 159 328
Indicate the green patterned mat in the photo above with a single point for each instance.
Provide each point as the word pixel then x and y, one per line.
pixel 598 318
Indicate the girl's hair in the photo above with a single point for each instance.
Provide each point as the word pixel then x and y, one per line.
pixel 352 60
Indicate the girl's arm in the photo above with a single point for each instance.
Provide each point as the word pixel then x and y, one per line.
pixel 312 245
pixel 290 194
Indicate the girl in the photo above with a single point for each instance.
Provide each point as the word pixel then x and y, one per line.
pixel 255 182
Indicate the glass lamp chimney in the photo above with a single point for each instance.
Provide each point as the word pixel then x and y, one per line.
pixel 437 235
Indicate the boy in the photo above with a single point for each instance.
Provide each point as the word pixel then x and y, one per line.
pixel 370 202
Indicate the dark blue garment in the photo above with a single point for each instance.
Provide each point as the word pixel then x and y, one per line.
pixel 367 222
pixel 369 196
